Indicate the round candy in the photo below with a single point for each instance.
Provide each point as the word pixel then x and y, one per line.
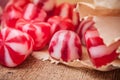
pixel 65 45
pixel 15 47
pixel 39 31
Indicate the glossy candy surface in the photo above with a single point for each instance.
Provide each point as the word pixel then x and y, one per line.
pixel 39 31
pixel 100 54
pixel 66 46
pixel 15 47
pixel 66 10
pixel 60 23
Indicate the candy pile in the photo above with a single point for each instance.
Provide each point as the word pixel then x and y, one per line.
pixel 28 25
pixel 31 25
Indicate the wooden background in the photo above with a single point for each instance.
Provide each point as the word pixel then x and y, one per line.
pixel 33 69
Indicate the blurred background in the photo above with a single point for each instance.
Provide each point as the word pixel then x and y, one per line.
pixel 73 1
pixel 3 2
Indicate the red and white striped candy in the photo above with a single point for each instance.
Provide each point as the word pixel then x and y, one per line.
pixel 15 46
pixel 60 23
pixel 100 54
pixel 39 31
pixel 10 15
pixel 67 10
pixel 85 24
pixel 18 3
pixel 32 12
pixel 65 45
pixel 13 11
